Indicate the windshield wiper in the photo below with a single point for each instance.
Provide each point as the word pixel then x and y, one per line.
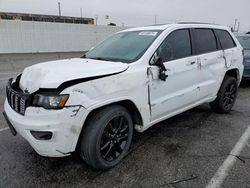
pixel 84 56
pixel 99 58
pixel 105 59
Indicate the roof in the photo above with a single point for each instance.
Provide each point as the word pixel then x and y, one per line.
pixel 151 27
pixel 203 23
pixel 181 24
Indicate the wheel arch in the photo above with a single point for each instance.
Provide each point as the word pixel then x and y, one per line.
pixel 128 104
pixel 234 72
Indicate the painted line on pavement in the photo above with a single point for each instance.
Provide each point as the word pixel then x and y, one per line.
pixel 228 163
pixel 3 129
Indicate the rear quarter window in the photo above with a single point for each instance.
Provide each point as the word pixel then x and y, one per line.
pixel 205 41
pixel 225 39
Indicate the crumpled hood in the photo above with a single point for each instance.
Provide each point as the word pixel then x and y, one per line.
pixel 52 74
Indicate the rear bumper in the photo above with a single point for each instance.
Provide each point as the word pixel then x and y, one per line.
pixel 65 126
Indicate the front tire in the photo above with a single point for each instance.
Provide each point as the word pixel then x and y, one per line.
pixel 107 137
pixel 226 96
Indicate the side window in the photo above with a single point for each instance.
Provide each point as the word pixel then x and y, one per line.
pixel 205 41
pixel 177 45
pixel 225 39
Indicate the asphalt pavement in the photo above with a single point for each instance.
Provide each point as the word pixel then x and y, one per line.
pixel 185 151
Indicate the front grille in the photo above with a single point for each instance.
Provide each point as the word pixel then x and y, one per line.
pixel 18 100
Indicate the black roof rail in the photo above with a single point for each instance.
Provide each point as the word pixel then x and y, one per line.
pixel 159 24
pixel 196 23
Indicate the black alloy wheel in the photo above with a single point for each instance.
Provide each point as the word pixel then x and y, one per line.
pixel 229 95
pixel 114 138
pixel 106 137
pixel 226 96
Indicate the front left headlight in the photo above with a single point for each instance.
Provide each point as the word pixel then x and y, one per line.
pixel 50 101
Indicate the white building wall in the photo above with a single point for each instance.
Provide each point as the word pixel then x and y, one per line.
pixel 40 37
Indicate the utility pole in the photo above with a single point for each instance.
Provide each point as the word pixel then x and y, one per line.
pixel 155 19
pixel 96 19
pixel 59 8
pixel 235 22
pixel 238 28
pixel 81 12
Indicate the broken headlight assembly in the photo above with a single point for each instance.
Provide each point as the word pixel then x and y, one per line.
pixel 50 101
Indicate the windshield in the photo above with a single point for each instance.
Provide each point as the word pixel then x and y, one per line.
pixel 124 47
pixel 244 41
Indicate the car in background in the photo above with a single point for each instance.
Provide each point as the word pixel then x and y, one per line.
pixel 244 40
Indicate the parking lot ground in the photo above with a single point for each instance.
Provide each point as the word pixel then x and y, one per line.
pixel 183 151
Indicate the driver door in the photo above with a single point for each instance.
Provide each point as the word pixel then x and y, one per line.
pixel 181 86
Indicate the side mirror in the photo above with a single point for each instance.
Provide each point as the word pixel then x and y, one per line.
pixel 154 59
pixel 157 61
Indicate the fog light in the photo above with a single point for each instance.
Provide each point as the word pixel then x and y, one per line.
pixel 41 135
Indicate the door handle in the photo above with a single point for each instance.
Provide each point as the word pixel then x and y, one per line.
pixel 191 63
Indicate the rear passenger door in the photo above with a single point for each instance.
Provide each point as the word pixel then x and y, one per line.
pixel 228 46
pixel 210 60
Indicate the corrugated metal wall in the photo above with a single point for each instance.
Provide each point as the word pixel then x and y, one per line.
pixel 33 37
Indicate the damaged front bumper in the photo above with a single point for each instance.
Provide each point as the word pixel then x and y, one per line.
pixel 52 133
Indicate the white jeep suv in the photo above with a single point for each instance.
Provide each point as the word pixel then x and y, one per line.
pixel 131 81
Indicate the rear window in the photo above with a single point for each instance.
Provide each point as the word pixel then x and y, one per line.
pixel 205 41
pixel 225 39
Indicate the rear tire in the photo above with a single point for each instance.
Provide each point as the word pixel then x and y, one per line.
pixel 226 96
pixel 107 137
